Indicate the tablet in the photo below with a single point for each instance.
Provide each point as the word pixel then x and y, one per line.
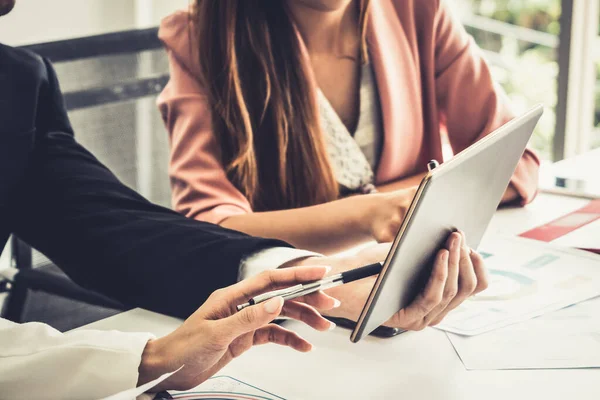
pixel 462 193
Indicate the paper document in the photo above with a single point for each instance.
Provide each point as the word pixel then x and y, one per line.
pixel 580 228
pixel 568 338
pixel 225 388
pixel 586 237
pixel 528 278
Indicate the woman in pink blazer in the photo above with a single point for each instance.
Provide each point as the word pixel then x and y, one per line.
pixel 250 84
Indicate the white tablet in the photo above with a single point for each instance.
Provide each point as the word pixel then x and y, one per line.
pixel 462 193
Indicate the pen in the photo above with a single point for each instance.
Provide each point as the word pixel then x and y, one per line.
pixel 308 288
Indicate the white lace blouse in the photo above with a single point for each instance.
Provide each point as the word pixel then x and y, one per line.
pixel 355 155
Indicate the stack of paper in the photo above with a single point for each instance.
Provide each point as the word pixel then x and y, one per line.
pixel 586 237
pixel 527 279
pixel 569 338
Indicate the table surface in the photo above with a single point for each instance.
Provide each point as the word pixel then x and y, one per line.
pixel 414 365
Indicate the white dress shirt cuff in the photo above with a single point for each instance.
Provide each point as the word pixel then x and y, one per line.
pixel 272 258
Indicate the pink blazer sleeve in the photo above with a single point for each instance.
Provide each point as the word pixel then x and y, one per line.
pixel 470 104
pixel 201 189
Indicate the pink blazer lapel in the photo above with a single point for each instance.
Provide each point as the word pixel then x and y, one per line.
pixel 398 82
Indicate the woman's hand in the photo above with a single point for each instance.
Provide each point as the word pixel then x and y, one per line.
pixel 215 334
pixel 386 213
pixel 510 195
pixel 457 274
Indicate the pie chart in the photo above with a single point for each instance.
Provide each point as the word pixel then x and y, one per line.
pixel 507 285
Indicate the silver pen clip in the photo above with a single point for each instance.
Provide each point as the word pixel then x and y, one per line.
pixel 292 292
pixel 269 295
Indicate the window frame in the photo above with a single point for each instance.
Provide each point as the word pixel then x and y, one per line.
pixel 576 78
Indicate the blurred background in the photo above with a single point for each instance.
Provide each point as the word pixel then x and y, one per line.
pixel 526 41
pixel 522 40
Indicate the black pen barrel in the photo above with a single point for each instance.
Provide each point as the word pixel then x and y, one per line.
pixel 362 272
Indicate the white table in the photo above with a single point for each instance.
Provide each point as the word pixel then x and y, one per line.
pixel 412 366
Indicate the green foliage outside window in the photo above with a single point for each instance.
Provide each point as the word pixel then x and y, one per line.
pixel 528 71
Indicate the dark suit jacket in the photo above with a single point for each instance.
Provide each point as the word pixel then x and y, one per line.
pixel 59 198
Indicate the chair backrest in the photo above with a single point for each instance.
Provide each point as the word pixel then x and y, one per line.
pixel 110 83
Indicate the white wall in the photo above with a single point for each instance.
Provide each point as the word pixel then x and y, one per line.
pixel 35 21
pixel 162 8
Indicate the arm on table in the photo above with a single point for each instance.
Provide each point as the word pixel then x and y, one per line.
pixel 326 228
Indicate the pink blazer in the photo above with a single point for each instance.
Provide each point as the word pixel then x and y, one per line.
pixel 431 78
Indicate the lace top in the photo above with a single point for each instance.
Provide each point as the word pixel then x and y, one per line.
pixel 355 155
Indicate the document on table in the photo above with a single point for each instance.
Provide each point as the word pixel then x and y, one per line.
pixel 586 237
pixel 226 388
pixel 568 338
pixel 528 278
pixel 579 229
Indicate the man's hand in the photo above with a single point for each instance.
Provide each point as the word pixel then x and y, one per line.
pixel 216 333
pixel 457 274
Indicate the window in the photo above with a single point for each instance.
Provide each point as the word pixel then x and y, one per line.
pixel 545 51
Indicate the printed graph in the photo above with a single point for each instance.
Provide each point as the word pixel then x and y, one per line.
pixel 507 285
pixel 526 279
pixel 225 388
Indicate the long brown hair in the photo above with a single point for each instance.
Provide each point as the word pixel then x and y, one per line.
pixel 263 109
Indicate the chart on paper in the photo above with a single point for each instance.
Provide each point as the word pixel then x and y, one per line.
pixel 527 279
pixel 225 388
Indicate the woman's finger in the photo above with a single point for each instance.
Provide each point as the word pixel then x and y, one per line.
pixel 467 281
pixel 276 334
pixel 306 314
pixel 411 317
pixel 451 288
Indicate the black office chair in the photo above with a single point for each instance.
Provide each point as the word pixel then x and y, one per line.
pixel 110 84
